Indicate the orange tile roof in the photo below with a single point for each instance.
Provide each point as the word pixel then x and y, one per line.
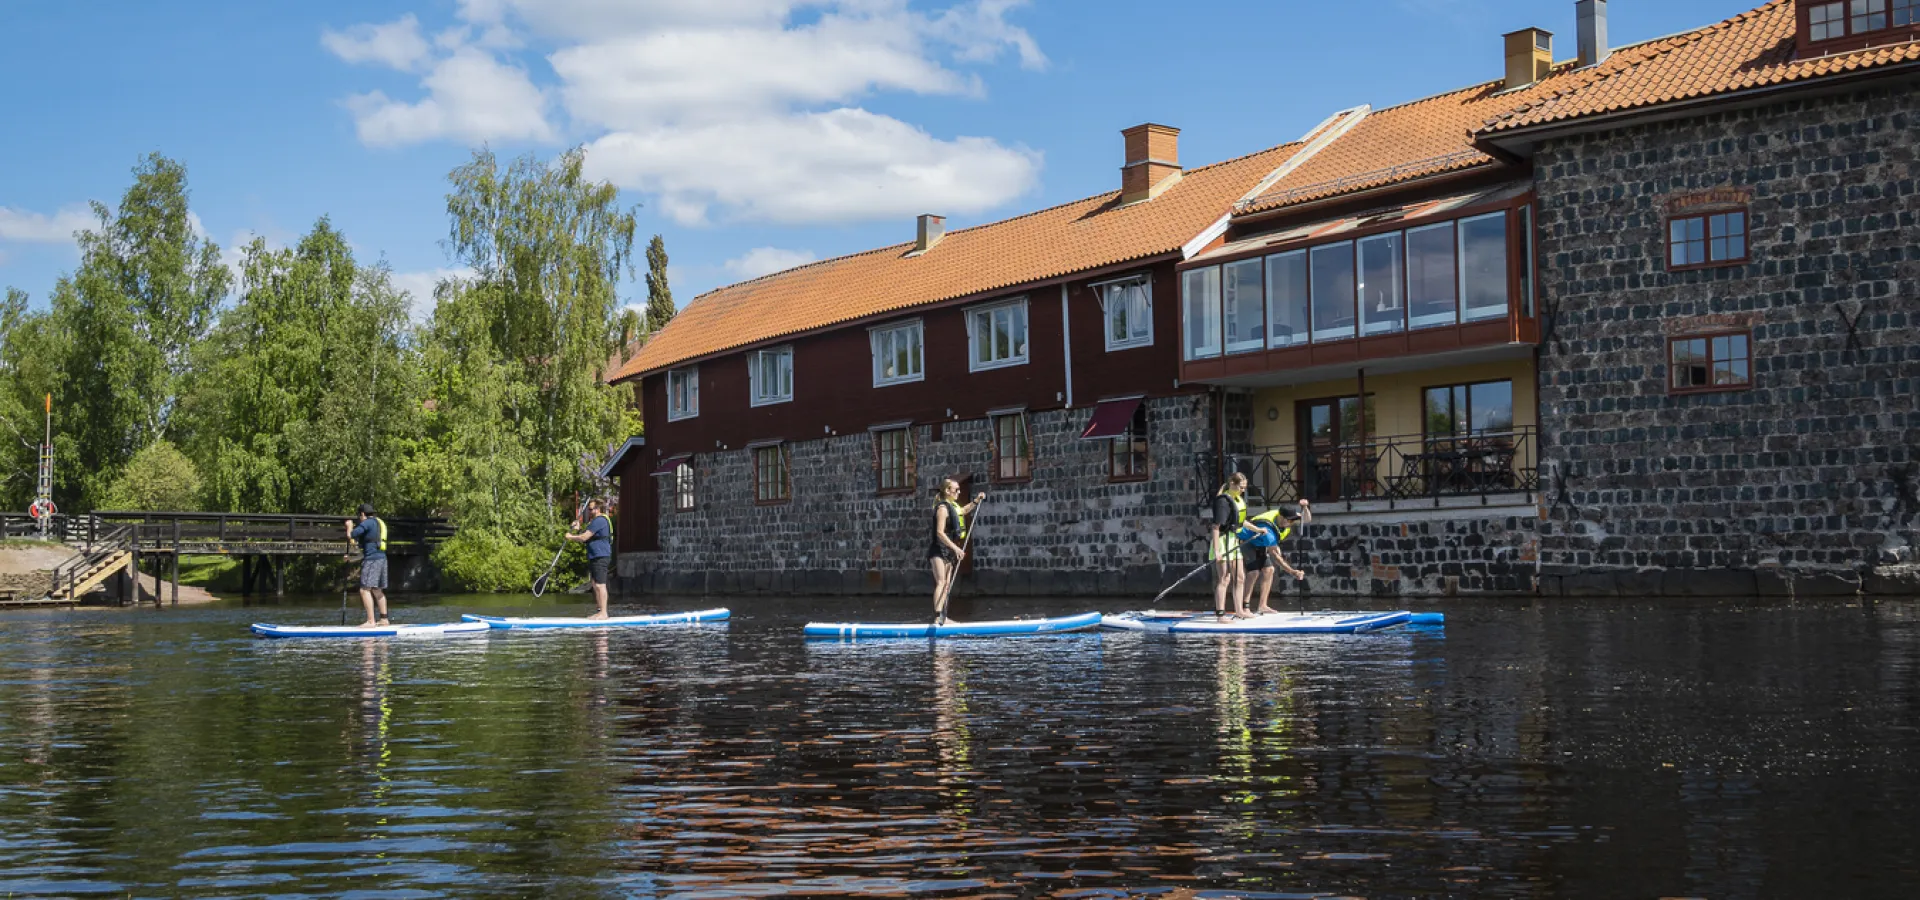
pixel 1074 237
pixel 1402 143
pixel 1753 49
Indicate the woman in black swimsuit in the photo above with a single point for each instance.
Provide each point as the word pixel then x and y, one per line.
pixel 949 537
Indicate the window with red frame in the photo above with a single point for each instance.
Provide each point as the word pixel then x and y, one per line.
pixel 771 480
pixel 1127 458
pixel 1709 239
pixel 1863 19
pixel 1012 452
pixel 1718 362
pixel 893 460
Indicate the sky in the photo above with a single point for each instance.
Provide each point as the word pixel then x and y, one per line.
pixel 753 135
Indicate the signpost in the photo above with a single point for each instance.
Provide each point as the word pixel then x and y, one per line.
pixel 42 509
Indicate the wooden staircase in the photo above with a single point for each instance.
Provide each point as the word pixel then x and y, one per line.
pixel 104 558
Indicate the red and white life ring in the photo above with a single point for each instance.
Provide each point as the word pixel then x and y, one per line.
pixel 41 508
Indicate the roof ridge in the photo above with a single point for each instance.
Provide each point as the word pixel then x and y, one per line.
pixel 1649 50
pixel 997 222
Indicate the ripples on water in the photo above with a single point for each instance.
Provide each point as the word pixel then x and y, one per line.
pixel 1630 750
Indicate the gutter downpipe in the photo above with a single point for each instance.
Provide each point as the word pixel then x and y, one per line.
pixel 1066 342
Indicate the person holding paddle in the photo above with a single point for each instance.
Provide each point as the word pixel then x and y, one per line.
pixel 598 536
pixel 949 542
pixel 1260 539
pixel 1223 547
pixel 371 535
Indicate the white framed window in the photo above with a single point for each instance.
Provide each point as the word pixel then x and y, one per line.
pixel 683 393
pixel 997 336
pixel 1200 293
pixel 898 353
pixel 771 375
pixel 683 487
pixel 1128 307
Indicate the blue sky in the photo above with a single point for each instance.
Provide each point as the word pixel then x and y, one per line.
pixel 754 134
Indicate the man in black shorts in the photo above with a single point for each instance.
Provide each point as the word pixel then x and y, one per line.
pixel 598 536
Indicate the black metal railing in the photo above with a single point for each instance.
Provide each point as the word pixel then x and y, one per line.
pixel 1393 468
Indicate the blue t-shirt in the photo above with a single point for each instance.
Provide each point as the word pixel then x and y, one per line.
pixel 368 533
pixel 601 544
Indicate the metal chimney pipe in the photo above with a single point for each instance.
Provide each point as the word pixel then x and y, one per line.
pixel 1593 31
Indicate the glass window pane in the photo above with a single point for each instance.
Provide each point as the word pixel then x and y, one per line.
pixel 1117 326
pixel 1245 305
pixel 1142 306
pixel 1483 266
pixel 982 337
pixel 1018 316
pixel 1903 11
pixel 1200 293
pixel 1381 311
pixel 1333 283
pixel 1287 299
pixel 1526 261
pixel 1320 423
pixel 1491 405
pixel 1439 411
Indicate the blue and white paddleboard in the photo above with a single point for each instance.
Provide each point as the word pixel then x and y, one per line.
pixel 1272 623
pixel 1082 622
pixel 443 629
pixel 678 618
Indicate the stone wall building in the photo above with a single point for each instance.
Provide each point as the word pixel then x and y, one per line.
pixel 1638 322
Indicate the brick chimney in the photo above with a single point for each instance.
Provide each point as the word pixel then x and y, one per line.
pixel 1529 57
pixel 932 229
pixel 1153 162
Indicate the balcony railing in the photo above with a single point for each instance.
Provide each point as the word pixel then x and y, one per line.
pixel 1399 469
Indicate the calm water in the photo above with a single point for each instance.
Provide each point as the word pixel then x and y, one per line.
pixel 1618 750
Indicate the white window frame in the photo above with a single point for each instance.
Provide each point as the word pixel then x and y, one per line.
pixel 887 333
pixel 1106 291
pixel 756 393
pixel 676 412
pixel 683 496
pixel 1026 333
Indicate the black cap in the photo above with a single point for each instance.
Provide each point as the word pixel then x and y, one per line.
pixel 366 509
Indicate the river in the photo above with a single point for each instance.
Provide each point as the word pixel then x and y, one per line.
pixel 1559 749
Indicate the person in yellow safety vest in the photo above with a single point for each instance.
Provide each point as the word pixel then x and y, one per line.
pixel 1260 541
pixel 371 534
pixel 949 542
pixel 1223 549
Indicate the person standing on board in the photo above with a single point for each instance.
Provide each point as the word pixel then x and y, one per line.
pixel 1261 537
pixel 371 534
pixel 598 536
pixel 1223 547
pixel 949 540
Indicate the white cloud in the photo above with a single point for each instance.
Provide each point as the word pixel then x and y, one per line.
pixel 471 95
pixel 721 109
pixel 40 228
pixel 397 44
pixel 420 285
pixel 837 166
pixel 766 261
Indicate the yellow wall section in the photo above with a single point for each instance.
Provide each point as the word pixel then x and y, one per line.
pixel 1397 399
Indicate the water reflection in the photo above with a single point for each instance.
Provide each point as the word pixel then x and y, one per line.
pixel 1550 751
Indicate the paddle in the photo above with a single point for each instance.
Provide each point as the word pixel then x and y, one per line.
pixel 540 582
pixel 940 606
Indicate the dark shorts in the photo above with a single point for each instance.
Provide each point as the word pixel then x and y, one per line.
pixel 1256 558
pixel 373 574
pixel 942 551
pixel 597 568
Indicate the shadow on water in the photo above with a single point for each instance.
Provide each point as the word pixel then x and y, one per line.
pixel 1552 750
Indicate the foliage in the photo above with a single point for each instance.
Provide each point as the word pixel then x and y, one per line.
pixel 123 326
pixel 482 559
pixel 306 396
pixel 659 295
pixel 159 477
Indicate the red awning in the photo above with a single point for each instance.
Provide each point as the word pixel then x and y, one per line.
pixel 669 464
pixel 1110 419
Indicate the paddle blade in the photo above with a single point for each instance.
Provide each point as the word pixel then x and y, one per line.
pixel 540 583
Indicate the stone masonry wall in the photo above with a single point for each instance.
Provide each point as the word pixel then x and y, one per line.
pixel 1067 531
pixel 1806 483
pixel 1463 552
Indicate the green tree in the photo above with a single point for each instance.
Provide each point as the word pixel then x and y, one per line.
pixel 305 397
pixel 158 478
pixel 25 378
pixel 516 356
pixel 124 324
pixel 659 295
